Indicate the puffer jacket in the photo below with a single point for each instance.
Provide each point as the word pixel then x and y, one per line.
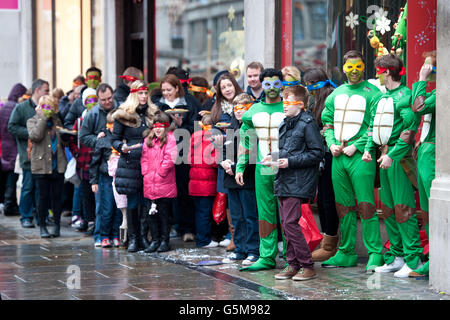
pixel 8 143
pixel 158 168
pixel 131 128
pixel 203 172
pixel 301 143
pixel 41 152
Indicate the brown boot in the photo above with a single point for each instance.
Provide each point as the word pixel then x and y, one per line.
pixel 328 248
pixel 231 246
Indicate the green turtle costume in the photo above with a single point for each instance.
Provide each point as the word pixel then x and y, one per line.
pixel 393 127
pixel 346 118
pixel 424 104
pixel 260 123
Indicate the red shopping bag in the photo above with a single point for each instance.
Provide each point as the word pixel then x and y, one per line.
pixel 309 227
pixel 220 207
pixel 423 242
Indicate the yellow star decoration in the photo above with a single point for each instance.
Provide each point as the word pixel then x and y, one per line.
pixel 231 12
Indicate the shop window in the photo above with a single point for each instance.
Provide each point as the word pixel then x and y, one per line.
pixel 201 36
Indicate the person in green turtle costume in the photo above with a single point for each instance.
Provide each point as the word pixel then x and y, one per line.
pixel 424 104
pixel 393 128
pixel 345 119
pixel 260 129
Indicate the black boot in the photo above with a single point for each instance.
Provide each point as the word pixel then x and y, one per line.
pixel 164 247
pixel 144 226
pixel 56 229
pixel 154 231
pixel 44 231
pixel 133 229
pixel 164 225
pixel 153 246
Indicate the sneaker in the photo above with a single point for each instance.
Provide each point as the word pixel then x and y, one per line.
pixel 189 237
pixel 174 234
pixel 90 228
pixel 116 242
pixel 395 265
pixel 405 271
pixel 287 273
pixel 106 243
pixel 75 219
pixel 224 243
pixel 249 260
pixel 97 243
pixel 232 257
pixel 305 274
pixel 212 244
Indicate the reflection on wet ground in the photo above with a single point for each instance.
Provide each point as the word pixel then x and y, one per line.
pixel 70 268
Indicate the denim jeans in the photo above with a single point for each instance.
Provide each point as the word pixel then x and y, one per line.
pixel 109 217
pixel 28 196
pixel 244 216
pixel 76 202
pixel 203 216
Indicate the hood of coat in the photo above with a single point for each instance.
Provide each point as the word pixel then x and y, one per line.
pixel 133 120
pixel 16 92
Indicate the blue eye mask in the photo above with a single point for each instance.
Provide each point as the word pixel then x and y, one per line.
pixel 320 84
pixel 267 85
pixel 291 83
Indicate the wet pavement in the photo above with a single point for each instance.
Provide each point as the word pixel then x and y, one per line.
pixel 71 268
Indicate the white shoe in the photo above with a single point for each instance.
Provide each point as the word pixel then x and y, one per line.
pixel 212 244
pixel 232 258
pixel 249 260
pixel 224 243
pixel 405 270
pixel 395 265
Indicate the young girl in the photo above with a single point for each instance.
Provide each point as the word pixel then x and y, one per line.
pixel 203 182
pixel 159 154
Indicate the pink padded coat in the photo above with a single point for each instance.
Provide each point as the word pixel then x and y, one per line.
pixel 158 168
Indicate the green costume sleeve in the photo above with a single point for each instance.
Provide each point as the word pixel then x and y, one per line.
pixel 410 123
pixel 429 106
pixel 328 121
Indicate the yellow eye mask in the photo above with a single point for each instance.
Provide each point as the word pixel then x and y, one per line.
pixel 349 67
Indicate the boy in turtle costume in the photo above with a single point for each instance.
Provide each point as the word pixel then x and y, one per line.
pixel 260 124
pixel 393 127
pixel 424 104
pixel 345 118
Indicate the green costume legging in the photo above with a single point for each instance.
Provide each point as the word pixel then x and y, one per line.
pixel 397 190
pixel 352 178
pixel 267 215
pixel 426 164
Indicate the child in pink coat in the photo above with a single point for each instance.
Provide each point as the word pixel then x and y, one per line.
pixel 159 154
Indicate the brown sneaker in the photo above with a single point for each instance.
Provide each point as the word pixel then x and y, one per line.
pixel 305 274
pixel 287 273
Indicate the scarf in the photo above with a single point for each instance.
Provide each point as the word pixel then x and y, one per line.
pixel 227 107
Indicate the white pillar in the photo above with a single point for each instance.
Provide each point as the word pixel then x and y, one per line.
pixel 110 72
pixel 260 32
pixel 440 189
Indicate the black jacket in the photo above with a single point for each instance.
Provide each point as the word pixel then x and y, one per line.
pixel 99 158
pixel 121 93
pixel 131 128
pixel 229 181
pixel 301 143
pixel 75 111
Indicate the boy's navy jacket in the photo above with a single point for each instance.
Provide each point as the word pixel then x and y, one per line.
pixel 301 143
pixel 100 157
pixel 229 182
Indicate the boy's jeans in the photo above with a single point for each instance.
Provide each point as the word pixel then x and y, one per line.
pixel 109 218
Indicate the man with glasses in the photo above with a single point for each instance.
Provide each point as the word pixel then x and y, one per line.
pixel 261 122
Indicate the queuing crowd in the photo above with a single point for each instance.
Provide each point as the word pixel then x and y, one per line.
pixel 155 161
